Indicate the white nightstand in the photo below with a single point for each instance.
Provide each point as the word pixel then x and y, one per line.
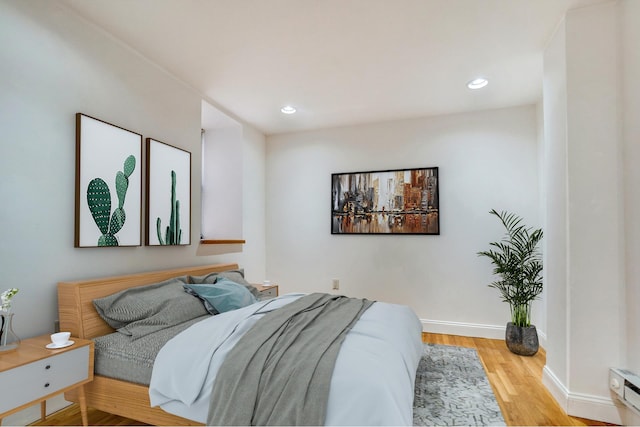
pixel 268 292
pixel 32 373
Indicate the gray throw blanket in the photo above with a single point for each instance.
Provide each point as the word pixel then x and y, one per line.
pixel 280 371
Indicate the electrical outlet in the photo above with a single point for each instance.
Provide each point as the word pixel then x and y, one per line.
pixel 335 284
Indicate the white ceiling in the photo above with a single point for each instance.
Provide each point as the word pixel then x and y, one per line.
pixel 341 62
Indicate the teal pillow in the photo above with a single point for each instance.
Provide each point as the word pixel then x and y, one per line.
pixel 224 295
pixel 236 276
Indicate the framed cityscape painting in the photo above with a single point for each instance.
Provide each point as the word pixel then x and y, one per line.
pixel 108 197
pixel 395 202
pixel 168 195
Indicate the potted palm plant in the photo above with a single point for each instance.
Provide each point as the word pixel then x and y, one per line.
pixel 518 264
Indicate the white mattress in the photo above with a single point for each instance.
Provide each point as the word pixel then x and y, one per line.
pixel 372 383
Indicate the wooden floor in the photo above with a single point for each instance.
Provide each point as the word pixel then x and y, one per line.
pixel 70 416
pixel 516 382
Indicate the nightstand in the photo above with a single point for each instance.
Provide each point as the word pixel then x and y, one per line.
pixel 267 292
pixel 32 373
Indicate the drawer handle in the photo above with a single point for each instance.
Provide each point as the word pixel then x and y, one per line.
pixel 46 385
pixel 47 367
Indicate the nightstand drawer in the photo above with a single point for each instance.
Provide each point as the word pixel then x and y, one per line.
pixel 35 380
pixel 270 292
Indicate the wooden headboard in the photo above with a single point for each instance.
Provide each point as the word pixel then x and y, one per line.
pixel 77 314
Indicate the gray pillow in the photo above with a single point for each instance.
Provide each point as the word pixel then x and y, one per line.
pixel 145 309
pixel 233 275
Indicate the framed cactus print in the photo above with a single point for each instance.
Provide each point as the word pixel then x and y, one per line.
pixel 168 195
pixel 108 201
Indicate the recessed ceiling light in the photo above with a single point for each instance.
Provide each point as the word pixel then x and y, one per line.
pixel 288 109
pixel 477 83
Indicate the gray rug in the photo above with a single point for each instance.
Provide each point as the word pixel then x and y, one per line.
pixel 452 389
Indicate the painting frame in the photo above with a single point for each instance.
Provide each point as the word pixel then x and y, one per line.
pixel 166 165
pixel 408 203
pixel 108 157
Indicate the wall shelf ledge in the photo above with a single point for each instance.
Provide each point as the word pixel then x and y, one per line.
pixel 222 242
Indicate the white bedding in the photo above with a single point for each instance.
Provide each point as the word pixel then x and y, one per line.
pixel 372 383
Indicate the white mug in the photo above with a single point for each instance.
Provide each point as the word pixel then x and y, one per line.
pixel 60 338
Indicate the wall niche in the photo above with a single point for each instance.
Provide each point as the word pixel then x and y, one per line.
pixel 221 181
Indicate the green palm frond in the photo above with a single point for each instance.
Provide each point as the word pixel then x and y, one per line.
pixel 518 262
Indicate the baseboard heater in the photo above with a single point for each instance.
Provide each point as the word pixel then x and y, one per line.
pixel 626 385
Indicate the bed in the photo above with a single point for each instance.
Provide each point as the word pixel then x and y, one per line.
pixel 382 328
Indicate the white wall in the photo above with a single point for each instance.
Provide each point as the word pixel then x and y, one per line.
pixel 53 64
pixel 554 170
pixel 630 19
pixel 590 206
pixel 596 278
pixel 629 15
pixel 222 183
pixel 253 256
pixel 486 160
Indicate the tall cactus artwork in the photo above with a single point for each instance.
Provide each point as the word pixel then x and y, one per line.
pixel 99 201
pixel 173 232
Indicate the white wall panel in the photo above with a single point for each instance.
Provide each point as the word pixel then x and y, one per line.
pixel 486 160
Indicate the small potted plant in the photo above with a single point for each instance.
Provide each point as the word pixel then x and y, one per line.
pixel 518 263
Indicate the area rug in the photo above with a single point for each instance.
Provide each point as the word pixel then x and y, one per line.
pixel 452 389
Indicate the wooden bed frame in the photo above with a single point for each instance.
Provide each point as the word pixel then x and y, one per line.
pixel 78 315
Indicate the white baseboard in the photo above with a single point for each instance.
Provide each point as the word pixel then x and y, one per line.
pixel 463 329
pixel 476 330
pixel 582 405
pixel 557 389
